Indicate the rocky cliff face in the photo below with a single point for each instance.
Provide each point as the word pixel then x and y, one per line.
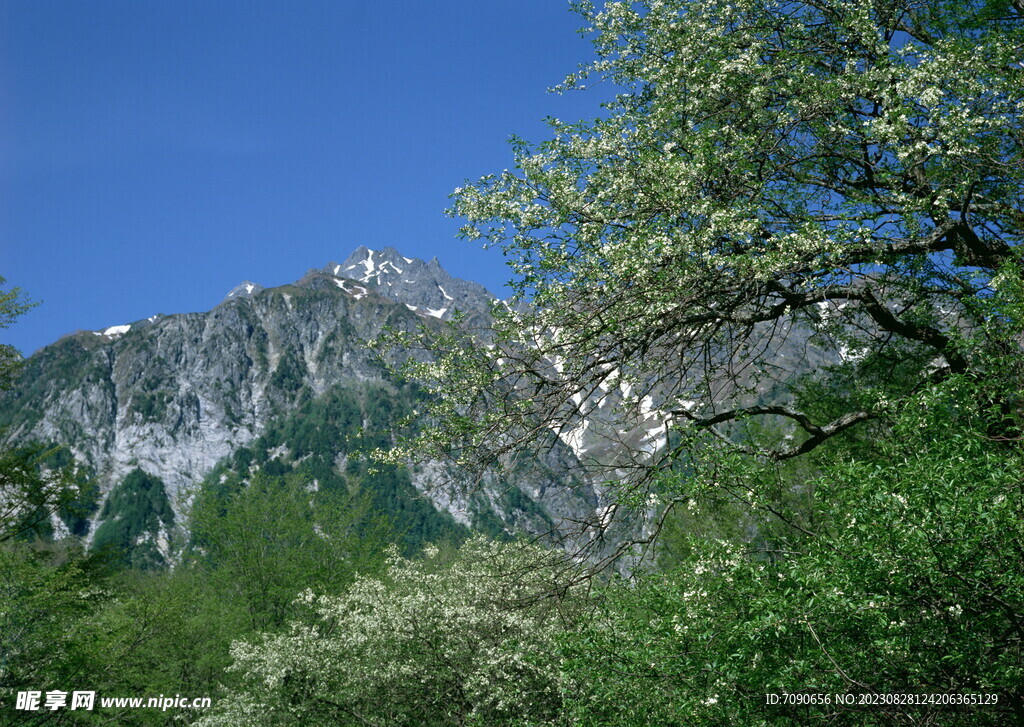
pixel 175 395
pixel 424 287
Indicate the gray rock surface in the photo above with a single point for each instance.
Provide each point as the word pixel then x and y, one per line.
pixel 175 394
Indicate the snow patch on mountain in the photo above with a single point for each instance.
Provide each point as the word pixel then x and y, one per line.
pixel 245 289
pixel 358 292
pixel 424 287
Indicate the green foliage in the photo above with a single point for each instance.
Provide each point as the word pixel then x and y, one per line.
pixel 151 406
pixel 155 632
pixel 323 441
pixel 13 305
pixel 37 481
pixel 46 599
pixel 264 541
pixel 146 632
pixel 76 512
pixel 444 640
pixel 910 584
pixel 134 517
pixel 843 176
pixel 289 374
pixel 65 362
pixel 168 631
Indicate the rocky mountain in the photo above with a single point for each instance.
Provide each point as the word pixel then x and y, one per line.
pixel 424 287
pixel 156 407
pixel 282 380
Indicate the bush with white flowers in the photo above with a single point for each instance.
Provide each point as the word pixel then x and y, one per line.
pixel 444 639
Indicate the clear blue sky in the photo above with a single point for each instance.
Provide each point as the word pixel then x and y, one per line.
pixel 155 153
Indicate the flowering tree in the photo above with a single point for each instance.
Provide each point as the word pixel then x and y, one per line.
pixel 840 174
pixel 772 177
pixel 436 641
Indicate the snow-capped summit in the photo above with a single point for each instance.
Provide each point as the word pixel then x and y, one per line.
pixel 424 287
pixel 245 289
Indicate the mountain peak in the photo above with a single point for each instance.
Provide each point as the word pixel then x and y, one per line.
pixel 245 289
pixel 425 288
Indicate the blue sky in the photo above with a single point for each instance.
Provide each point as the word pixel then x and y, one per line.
pixel 155 153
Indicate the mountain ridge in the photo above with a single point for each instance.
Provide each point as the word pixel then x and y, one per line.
pixel 173 396
pixel 425 287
